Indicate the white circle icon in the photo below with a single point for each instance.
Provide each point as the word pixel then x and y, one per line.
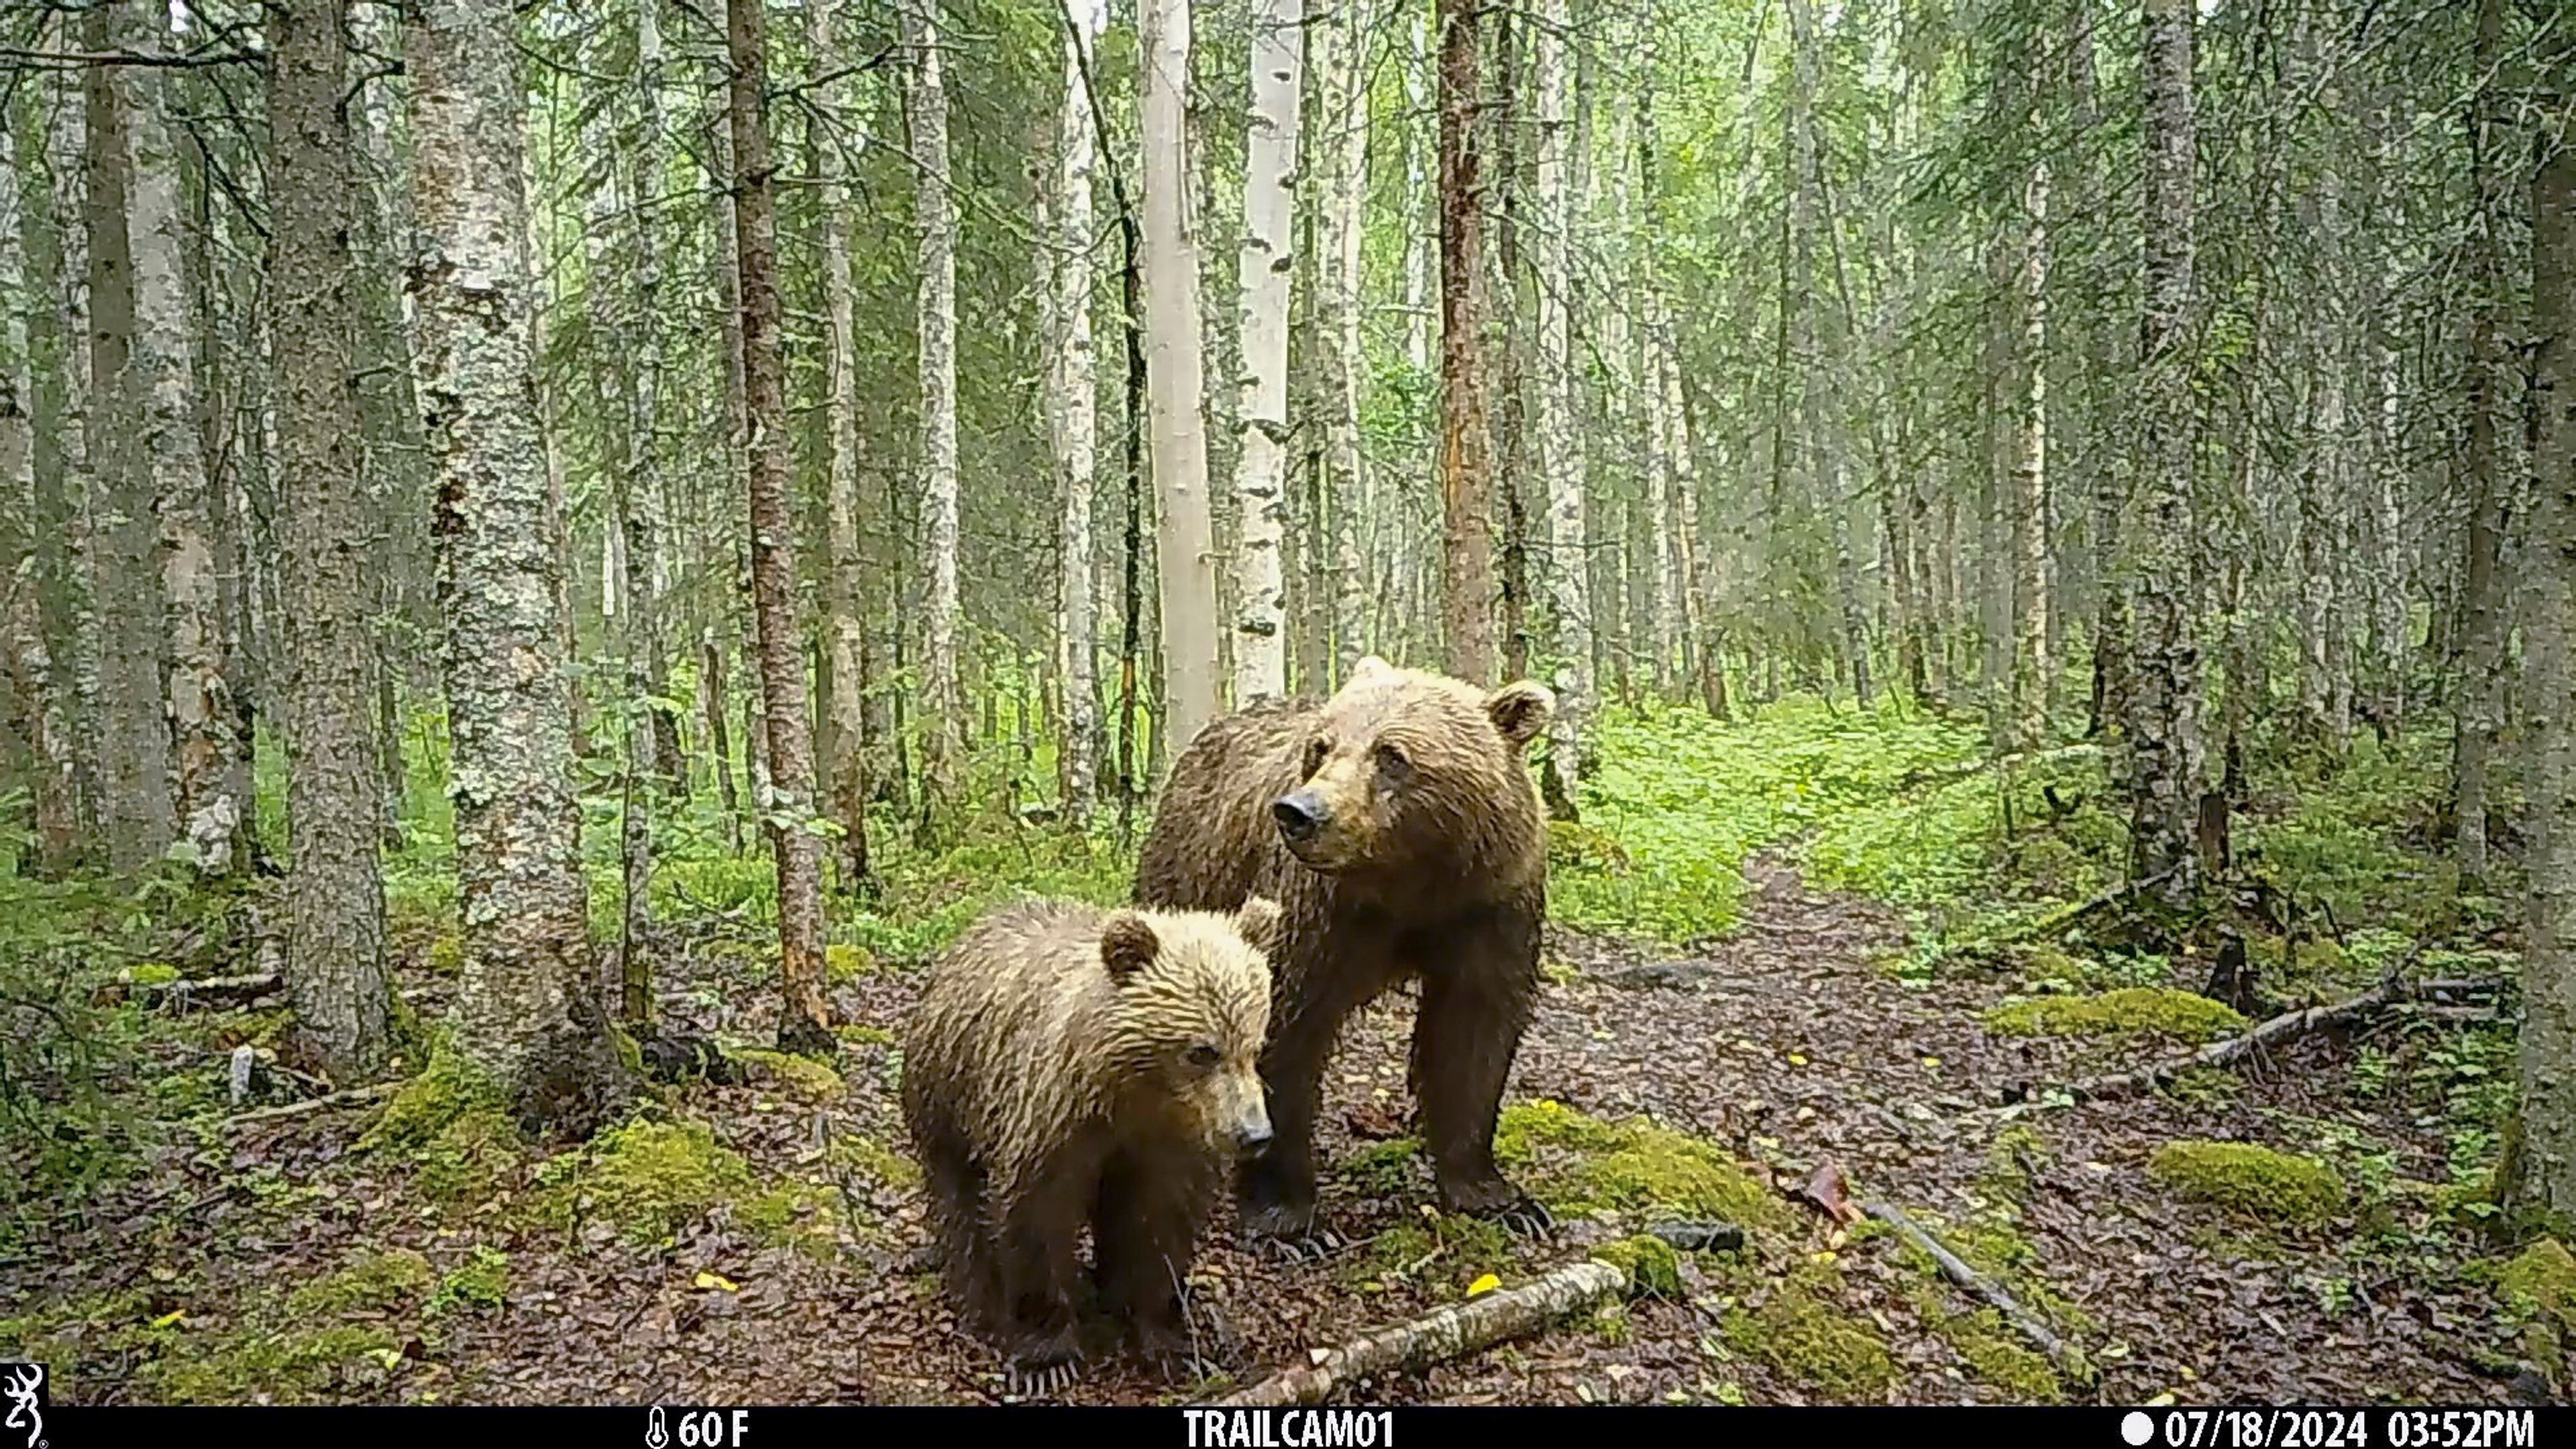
pixel 2137 1428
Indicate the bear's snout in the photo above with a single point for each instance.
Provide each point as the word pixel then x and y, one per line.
pixel 1300 815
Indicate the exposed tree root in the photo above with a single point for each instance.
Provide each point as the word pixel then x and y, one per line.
pixel 2069 1360
pixel 1460 1328
pixel 354 1097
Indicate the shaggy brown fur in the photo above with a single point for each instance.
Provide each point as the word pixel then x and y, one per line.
pixel 1068 1065
pixel 1397 826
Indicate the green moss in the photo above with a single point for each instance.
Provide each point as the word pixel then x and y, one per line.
pixel 274 1367
pixel 858 1035
pixel 1586 1166
pixel 649 1179
pixel 1805 1338
pixel 2161 1010
pixel 446 954
pixel 2015 1155
pixel 446 1089
pixel 2251 1181
pixel 1990 1351
pixel 875 1160
pixel 1653 1267
pixel 480 1283
pixel 1449 1251
pixel 799 1075
pixel 843 963
pixel 795 1215
pixel 1382 1169
pixel 471 1159
pixel 154 973
pixel 2541 1283
pixel 372 1283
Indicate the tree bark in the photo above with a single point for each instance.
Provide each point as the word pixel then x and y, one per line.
pixel 2482 605
pixel 2034 668
pixel 45 398
pixel 1185 549
pixel 1343 492
pixel 1267 265
pixel 2546 1176
pixel 1560 459
pixel 2164 744
pixel 527 1013
pixel 805 1023
pixel 335 897
pixel 935 223
pixel 1076 419
pixel 845 628
pixel 1466 482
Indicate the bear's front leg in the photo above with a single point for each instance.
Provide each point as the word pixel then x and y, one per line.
pixel 1144 1236
pixel 1275 1190
pixel 1464 1037
pixel 1039 1270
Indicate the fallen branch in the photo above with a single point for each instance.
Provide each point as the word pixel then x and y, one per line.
pixel 2286 1027
pixel 355 1096
pixel 2069 1359
pixel 2058 922
pixel 257 983
pixel 1460 1328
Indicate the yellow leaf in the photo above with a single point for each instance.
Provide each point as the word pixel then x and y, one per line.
pixel 1486 1284
pixel 167 1319
pixel 718 1282
pixel 2160 1401
pixel 1797 1060
pixel 391 1358
pixel 1933 1062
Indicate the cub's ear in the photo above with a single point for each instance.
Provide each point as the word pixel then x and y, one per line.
pixel 1127 945
pixel 1258 921
pixel 1372 665
pixel 1521 710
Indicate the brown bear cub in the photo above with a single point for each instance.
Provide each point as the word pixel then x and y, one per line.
pixel 1397 826
pixel 1070 1066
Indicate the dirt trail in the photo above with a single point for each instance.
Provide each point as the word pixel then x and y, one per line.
pixel 1790 1044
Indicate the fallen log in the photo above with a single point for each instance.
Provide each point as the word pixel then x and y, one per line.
pixel 2286 1027
pixel 255 984
pixel 2069 1360
pixel 1460 1328
pixel 354 1097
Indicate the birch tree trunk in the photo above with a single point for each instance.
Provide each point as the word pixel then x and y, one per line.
pixel 1344 493
pixel 203 739
pixel 2033 665
pixel 1466 483
pixel 1268 263
pixel 335 897
pixel 2164 743
pixel 1076 417
pixel 846 766
pixel 1185 543
pixel 134 744
pixel 2546 1176
pixel 805 1024
pixel 935 221
pixel 528 1015
pixel 1560 459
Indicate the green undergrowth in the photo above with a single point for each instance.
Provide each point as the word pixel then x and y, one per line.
pixel 1635 1172
pixel 1797 1326
pixel 339 1336
pixel 652 1181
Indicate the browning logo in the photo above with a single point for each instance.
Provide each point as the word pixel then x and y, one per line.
pixel 23 1385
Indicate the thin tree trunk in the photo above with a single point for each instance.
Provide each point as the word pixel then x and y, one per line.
pixel 2482 655
pixel 529 1018
pixel 1339 294
pixel 1185 551
pixel 335 898
pixel 845 629
pixel 54 640
pixel 1267 264
pixel 1076 419
pixel 2164 743
pixel 2034 666
pixel 935 223
pixel 805 1024
pixel 1560 460
pixel 1466 482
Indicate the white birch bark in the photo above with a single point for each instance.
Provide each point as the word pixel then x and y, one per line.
pixel 1185 544
pixel 1075 416
pixel 935 221
pixel 1560 461
pixel 1268 263
pixel 1342 47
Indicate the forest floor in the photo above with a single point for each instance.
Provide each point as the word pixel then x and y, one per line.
pixel 756 1243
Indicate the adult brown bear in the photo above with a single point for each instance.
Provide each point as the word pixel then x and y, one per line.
pixel 1396 825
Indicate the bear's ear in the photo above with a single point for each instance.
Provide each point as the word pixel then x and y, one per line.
pixel 1521 710
pixel 1372 665
pixel 1257 920
pixel 1127 945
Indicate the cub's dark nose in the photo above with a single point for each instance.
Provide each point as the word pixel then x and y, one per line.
pixel 1250 1140
pixel 1300 815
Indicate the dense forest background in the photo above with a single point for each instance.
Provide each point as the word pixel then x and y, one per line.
pixel 556 553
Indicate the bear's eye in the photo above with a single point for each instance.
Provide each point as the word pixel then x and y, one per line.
pixel 1203 1055
pixel 1394 762
pixel 1316 750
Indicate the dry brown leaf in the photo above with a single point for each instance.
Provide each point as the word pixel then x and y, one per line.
pixel 1829 1194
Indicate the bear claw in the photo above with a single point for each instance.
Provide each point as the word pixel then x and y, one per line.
pixel 1311 1246
pixel 1032 1380
pixel 1529 1219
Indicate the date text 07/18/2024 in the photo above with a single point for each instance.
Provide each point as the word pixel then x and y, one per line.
pixel 2331 1429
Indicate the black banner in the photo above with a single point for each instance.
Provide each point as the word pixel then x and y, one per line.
pixel 43 1425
